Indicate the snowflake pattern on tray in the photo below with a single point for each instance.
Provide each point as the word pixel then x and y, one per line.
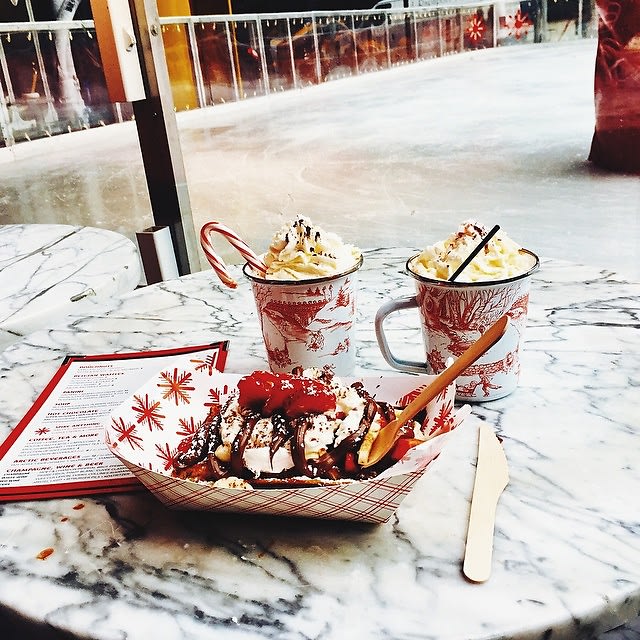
pixel 146 431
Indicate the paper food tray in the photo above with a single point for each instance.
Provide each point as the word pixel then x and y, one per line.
pixel 145 430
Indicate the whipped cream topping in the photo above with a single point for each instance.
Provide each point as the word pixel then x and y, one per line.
pixel 500 259
pixel 326 430
pixel 300 251
pixel 303 427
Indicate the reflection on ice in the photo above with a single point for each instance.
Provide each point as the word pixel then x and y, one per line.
pixel 391 158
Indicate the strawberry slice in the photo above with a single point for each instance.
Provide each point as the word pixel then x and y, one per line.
pixel 403 445
pixel 256 389
pixel 270 393
pixel 283 388
pixel 310 396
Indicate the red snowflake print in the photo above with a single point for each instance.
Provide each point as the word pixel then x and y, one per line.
pixel 147 411
pixel 176 385
pixel 188 426
pixel 215 396
pixel 476 29
pixel 210 363
pixel 166 455
pixel 42 431
pixel 126 433
pixel 412 395
pixel 444 421
pixel 518 25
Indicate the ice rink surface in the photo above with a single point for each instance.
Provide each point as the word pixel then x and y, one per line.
pixel 396 157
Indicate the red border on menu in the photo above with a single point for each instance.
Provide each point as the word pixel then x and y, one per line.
pixel 58 449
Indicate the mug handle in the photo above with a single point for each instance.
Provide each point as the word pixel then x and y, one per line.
pixel 381 315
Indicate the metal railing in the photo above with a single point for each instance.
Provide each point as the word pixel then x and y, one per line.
pixel 51 78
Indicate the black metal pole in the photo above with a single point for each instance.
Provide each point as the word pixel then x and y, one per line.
pixel 159 139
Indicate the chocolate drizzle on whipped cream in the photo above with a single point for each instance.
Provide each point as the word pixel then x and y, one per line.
pixel 301 422
pixel 301 250
pixel 499 259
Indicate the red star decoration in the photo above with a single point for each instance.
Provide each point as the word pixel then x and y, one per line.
pixel 176 385
pixel 126 433
pixel 166 455
pixel 147 411
pixel 215 396
pixel 476 29
pixel 518 25
pixel 188 426
pixel 209 363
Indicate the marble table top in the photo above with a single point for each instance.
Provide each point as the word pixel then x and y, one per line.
pixel 566 559
pixel 50 270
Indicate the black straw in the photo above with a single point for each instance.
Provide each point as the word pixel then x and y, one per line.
pixel 474 253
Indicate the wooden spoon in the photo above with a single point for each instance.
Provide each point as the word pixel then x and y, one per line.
pixel 388 435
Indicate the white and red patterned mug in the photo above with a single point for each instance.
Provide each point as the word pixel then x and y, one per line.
pixel 308 323
pixel 455 314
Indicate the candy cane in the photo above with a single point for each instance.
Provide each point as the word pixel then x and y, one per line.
pixel 235 241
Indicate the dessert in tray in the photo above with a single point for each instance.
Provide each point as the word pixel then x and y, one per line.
pixel 152 433
pixel 297 429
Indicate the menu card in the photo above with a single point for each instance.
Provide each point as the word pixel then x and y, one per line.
pixel 58 448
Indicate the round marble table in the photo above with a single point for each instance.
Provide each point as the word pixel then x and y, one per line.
pixel 50 270
pixel 566 560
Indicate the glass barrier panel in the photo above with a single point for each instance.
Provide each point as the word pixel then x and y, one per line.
pixel 278 54
pixel 55 84
pixel 337 47
pixel 371 42
pixel 515 24
pixel 305 52
pixel 401 38
pixel 24 72
pixel 91 86
pixel 29 102
pixel 477 24
pixel 428 35
pixel 248 61
pixel 215 54
pixel 450 31
pixel 566 20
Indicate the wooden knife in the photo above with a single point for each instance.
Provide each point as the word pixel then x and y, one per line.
pixel 492 476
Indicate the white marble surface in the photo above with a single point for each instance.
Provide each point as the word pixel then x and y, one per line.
pixel 567 544
pixel 48 271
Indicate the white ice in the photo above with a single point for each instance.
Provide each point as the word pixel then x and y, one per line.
pixel 396 157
